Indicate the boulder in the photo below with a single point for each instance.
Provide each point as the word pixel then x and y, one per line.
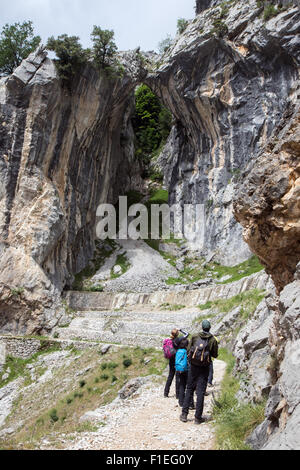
pixel 259 338
pixel 287 438
pixel 131 387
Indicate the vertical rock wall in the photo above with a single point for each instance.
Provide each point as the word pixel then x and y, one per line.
pixel 227 89
pixel 62 153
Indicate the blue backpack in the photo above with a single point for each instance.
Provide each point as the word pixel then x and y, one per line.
pixel 181 363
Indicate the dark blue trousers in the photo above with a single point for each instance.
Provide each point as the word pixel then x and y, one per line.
pixel 197 380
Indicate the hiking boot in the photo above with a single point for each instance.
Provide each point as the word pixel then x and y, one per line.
pixel 183 417
pixel 199 421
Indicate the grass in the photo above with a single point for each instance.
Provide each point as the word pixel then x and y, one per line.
pixel 175 307
pixel 56 406
pixel 160 196
pixel 81 282
pixel 197 269
pixel 234 421
pixel 248 301
pixel 17 366
pixel 123 262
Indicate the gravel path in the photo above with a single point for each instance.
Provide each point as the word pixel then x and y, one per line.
pixel 147 272
pixel 148 421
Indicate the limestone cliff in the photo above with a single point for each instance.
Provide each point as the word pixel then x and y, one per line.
pixel 268 201
pixel 62 153
pixel 227 80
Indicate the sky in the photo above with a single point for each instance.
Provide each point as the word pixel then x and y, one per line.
pixel 136 23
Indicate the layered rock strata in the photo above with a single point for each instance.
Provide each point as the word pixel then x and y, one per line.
pixel 62 153
pixel 227 80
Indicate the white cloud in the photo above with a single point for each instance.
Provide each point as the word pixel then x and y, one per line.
pixel 135 22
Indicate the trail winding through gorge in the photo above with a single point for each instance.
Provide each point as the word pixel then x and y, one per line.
pixel 148 421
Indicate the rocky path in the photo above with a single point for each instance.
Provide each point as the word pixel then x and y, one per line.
pixel 148 269
pixel 148 421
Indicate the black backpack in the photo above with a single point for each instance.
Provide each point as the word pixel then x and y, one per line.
pixel 199 353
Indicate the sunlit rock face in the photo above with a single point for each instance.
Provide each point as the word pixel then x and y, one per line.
pixel 62 153
pixel 268 203
pixel 228 91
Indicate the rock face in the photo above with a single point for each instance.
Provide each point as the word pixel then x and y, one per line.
pixel 62 153
pixel 202 5
pixel 227 94
pixel 268 203
pixel 280 430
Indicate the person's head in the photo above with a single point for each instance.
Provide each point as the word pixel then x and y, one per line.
pixel 174 333
pixel 184 343
pixel 206 326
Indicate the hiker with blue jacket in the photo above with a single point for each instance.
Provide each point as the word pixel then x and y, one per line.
pixel 170 355
pixel 201 349
pixel 181 366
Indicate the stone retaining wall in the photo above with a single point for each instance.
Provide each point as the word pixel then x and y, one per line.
pixel 85 301
pixel 24 348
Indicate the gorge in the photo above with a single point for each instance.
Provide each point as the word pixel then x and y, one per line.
pixel 231 82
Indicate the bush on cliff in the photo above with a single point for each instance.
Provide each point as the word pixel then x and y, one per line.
pixel 71 57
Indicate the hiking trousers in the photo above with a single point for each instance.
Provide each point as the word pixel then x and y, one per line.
pixel 197 380
pixel 211 373
pixel 171 377
pixel 182 381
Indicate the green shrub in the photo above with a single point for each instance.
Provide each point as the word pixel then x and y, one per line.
pixel 98 288
pixel 269 11
pixel 127 363
pixel 181 25
pixel 104 377
pixel 112 365
pixel 71 57
pixel 53 415
pixel 165 44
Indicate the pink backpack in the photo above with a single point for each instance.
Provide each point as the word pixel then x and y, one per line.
pixel 168 348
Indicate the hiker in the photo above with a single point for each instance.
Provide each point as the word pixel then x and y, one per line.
pixel 201 349
pixel 211 370
pixel 181 367
pixel 175 340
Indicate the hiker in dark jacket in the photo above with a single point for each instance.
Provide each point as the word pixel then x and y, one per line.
pixel 176 341
pixel 198 374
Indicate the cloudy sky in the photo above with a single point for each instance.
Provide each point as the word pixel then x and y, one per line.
pixel 135 22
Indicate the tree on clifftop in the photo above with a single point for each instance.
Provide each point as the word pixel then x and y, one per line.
pixel 104 47
pixel 70 55
pixel 16 43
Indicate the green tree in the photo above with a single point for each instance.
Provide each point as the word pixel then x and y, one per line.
pixel 71 57
pixel 165 44
pixel 17 41
pixel 104 47
pixel 152 123
pixel 181 25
